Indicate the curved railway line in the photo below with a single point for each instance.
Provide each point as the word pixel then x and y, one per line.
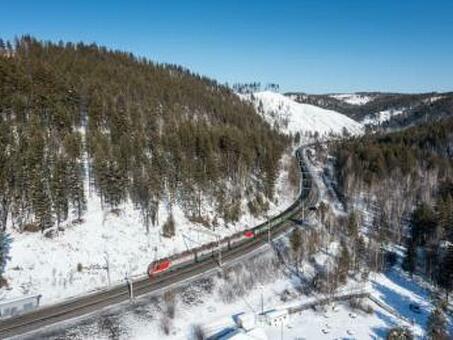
pixel 91 303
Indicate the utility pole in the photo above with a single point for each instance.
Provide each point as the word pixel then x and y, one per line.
pixel 269 225
pixel 302 201
pixel 130 288
pixel 262 300
pixel 220 251
pixel 107 267
pixel 299 158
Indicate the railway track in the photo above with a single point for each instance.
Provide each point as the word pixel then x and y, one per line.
pixel 50 315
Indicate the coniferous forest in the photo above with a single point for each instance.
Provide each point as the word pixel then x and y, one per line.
pixel 75 113
pixel 406 179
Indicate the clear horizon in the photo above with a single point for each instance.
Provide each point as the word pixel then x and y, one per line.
pixel 307 46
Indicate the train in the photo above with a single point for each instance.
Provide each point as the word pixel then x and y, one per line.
pixel 213 248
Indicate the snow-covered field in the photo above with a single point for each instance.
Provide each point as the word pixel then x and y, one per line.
pixel 293 117
pixel 75 261
pixel 353 98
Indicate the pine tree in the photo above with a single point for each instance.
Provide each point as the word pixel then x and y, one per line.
pixel 2 46
pixel 352 225
pixel 400 333
pixel 445 271
pixel 410 259
pixel 437 324
pixel 443 215
pixel 168 229
pixel 322 211
pixel 76 193
pixel 359 252
pixel 59 189
pixel 344 263
pixel 115 185
pixel 295 241
pixel 5 246
pixel 448 226
pixel 423 223
pixel 42 204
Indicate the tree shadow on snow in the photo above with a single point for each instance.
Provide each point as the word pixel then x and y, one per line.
pixel 381 332
pixel 400 302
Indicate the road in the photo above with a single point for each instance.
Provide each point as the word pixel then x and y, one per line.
pixel 82 306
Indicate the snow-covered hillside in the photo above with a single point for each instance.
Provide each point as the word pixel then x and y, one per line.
pixel 353 98
pixel 293 117
pixel 381 117
pixel 75 261
pixel 377 118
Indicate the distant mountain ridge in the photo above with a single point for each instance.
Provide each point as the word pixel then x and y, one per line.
pixel 388 110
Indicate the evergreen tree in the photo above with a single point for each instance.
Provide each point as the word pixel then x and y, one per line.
pixel 437 324
pixel 410 259
pixel 423 223
pixel 295 241
pixel 352 226
pixel 5 246
pixel 59 189
pixel 42 204
pixel 445 272
pixel 359 252
pixel 447 214
pixel 323 209
pixel 168 229
pixel 400 333
pixel 75 190
pixel 344 263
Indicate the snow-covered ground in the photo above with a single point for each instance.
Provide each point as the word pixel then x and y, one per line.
pixel 292 117
pixel 75 261
pixel 382 116
pixel 203 304
pixel 353 98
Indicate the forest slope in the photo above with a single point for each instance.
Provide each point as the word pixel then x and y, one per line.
pixel 119 161
pixel 132 128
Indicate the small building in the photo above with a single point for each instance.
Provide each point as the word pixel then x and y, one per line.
pixel 18 306
pixel 277 318
pixel 247 321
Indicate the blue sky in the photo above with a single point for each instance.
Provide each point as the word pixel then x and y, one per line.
pixel 313 46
